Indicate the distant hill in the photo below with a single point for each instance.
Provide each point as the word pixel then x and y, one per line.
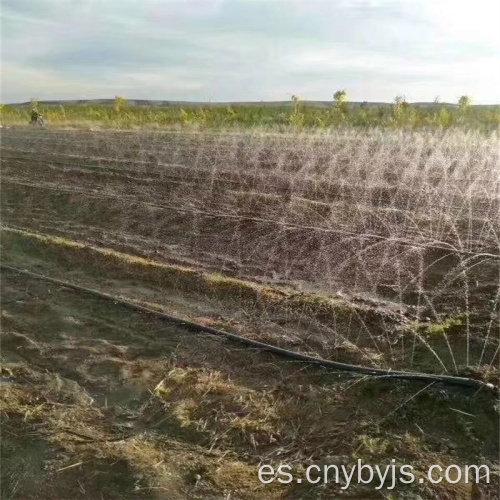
pixel 186 104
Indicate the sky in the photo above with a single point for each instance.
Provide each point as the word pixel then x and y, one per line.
pixel 250 50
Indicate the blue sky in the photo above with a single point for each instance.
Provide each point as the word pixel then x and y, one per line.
pixel 239 50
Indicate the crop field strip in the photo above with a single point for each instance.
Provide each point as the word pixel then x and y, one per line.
pixel 284 353
pixel 248 203
pixel 409 239
pixel 304 230
pixel 316 192
pixel 374 197
pixel 349 323
pixel 182 280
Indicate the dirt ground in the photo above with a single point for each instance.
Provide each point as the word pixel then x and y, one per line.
pixel 99 401
pixel 103 402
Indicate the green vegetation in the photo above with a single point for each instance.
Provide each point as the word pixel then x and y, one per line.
pixel 298 114
pixel 451 325
pixel 120 104
pixel 340 98
pixel 464 103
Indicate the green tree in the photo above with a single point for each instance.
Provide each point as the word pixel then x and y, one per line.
pixel 464 103
pixel 340 98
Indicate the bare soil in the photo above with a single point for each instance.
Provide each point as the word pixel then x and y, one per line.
pixel 102 402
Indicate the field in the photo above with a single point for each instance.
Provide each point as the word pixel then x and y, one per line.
pixel 270 116
pixel 376 247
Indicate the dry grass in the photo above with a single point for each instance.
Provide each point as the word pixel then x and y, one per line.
pixel 95 406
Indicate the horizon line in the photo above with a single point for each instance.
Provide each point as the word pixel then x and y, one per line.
pixel 208 102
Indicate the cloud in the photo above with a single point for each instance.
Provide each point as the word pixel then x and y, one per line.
pixel 249 49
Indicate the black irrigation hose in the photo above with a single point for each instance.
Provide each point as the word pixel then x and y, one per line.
pixel 195 327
